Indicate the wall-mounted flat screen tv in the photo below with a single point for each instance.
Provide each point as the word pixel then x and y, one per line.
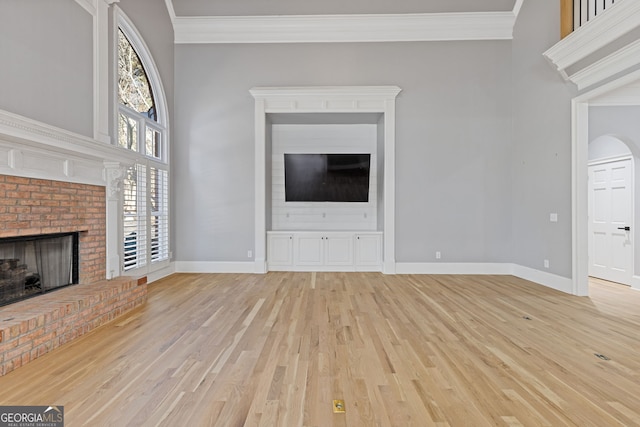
pixel 326 177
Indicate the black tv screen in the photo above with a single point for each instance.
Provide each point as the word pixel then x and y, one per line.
pixel 326 177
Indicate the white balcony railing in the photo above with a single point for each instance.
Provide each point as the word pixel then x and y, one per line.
pixel 586 56
pixel 586 10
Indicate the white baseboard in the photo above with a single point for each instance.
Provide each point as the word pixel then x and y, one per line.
pixel 549 280
pixel 214 267
pixel 322 268
pixel 161 274
pixel 543 278
pixel 453 268
pixel 635 283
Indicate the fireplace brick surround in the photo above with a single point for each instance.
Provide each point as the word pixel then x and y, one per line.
pixel 33 327
pixel 38 206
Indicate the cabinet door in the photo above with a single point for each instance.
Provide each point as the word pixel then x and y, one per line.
pixel 338 249
pixel 308 249
pixel 280 249
pixel 369 251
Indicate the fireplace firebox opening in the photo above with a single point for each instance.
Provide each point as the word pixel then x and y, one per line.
pixel 33 265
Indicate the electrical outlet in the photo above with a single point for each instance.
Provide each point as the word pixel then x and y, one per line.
pixel 249 253
pixel 546 263
pixel 553 217
pixel 438 255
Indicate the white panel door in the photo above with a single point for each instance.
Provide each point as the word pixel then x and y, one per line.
pixel 610 220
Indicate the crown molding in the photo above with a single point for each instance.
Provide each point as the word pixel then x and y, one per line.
pixel 617 62
pixel 170 10
pixel 91 6
pixel 345 28
pixel 613 23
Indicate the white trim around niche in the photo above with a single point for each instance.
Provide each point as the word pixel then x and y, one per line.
pixel 345 28
pixel 325 99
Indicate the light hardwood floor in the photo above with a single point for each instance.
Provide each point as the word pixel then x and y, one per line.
pixel 406 350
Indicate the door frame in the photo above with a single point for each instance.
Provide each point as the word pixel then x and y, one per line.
pixel 579 183
pixel 632 221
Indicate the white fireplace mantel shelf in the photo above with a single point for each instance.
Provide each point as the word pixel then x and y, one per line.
pixel 34 149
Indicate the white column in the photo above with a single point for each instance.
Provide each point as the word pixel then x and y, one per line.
pixel 101 71
pixel 389 255
pixel 260 188
pixel 114 175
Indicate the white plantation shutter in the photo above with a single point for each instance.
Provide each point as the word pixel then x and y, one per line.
pixel 141 128
pixel 159 214
pixel 135 218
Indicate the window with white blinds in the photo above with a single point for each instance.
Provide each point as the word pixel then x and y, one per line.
pixel 141 127
pixel 135 217
pixel 159 214
pixel 146 216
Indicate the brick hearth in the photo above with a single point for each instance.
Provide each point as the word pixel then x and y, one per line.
pixel 33 327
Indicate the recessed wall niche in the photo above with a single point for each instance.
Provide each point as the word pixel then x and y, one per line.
pixel 329 141
pixel 361 110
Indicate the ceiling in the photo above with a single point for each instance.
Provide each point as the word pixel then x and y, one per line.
pixel 333 7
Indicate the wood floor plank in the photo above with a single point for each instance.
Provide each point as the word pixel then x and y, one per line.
pixel 406 350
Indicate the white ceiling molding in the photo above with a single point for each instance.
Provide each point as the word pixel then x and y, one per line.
pixel 171 10
pixel 88 5
pixel 613 23
pixel 345 28
pixel 91 6
pixel 617 62
pixel 517 6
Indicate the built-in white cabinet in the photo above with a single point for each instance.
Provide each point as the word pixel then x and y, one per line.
pixel 280 249
pixel 368 250
pixel 324 251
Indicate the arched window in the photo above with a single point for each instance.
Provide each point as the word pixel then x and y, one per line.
pixel 142 128
pixel 138 127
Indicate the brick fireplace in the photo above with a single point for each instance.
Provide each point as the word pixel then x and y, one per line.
pixel 31 206
pixel 35 326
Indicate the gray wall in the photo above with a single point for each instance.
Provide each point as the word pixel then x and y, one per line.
pixel 541 144
pixel 46 51
pixel 620 121
pixel 453 141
